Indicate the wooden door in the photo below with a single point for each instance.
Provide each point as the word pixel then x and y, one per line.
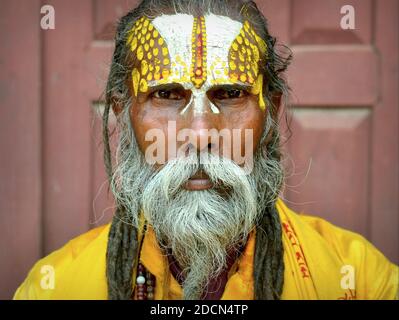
pixel 343 154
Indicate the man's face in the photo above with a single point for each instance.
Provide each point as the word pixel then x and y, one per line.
pixel 199 74
pixel 193 77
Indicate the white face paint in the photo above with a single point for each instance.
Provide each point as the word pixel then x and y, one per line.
pixel 198 53
pixel 220 33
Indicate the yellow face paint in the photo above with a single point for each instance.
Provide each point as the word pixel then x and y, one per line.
pixel 151 51
pixel 213 50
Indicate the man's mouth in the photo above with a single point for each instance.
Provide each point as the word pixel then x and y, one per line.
pixel 199 181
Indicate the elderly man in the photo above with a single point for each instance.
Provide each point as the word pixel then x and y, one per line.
pixel 196 88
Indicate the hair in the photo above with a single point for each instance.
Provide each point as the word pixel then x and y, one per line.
pixel 123 246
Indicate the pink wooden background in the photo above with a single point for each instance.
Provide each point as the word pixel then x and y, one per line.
pixel 343 154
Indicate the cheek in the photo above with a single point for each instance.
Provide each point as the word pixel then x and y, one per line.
pixel 153 123
pixel 252 119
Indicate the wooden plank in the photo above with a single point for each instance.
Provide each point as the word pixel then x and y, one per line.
pixel 334 76
pixel 20 163
pixel 329 164
pixel 385 154
pixel 318 22
pixel 66 126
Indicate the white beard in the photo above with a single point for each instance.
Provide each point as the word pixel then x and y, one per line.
pixel 199 227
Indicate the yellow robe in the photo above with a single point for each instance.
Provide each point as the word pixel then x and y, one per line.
pixel 319 260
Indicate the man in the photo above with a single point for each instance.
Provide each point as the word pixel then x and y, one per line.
pixel 196 87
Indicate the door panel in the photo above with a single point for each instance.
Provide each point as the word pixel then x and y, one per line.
pixel 342 158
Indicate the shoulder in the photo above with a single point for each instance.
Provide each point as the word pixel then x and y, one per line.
pixel 55 272
pixel 376 277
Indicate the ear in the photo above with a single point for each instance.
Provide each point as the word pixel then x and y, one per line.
pixel 116 103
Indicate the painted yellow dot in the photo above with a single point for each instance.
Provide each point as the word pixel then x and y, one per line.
pixel 135 80
pixel 155 34
pixel 146 47
pixel 151 67
pixel 142 40
pixel 232 65
pixel 234 77
pixel 152 43
pixel 255 69
pixel 133 45
pixel 144 67
pixel 146 22
pixel 234 46
pixel 157 76
pixel 149 55
pixel 150 27
pixel 143 85
pixel 241 57
pixel 246 42
pixel 165 73
pixel 256 54
pixel 148 36
pixel 129 38
pixel 243 78
pixel 139 36
pixel 155 51
pixel 241 67
pixel 239 39
pixel 149 76
pixel 166 61
pixel 144 31
pixel 140 53
pixel 165 51
pixel 160 41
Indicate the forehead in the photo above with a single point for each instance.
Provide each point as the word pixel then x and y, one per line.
pixel 197 52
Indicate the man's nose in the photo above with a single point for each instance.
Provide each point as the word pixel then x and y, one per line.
pixel 204 134
pixel 203 122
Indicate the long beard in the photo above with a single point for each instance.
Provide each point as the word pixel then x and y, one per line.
pixel 199 227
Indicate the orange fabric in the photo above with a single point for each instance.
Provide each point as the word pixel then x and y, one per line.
pixel 316 254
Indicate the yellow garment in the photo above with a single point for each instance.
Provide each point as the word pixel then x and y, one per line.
pixel 315 254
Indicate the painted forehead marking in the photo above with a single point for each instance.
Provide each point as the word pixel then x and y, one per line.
pixel 197 52
pixel 152 54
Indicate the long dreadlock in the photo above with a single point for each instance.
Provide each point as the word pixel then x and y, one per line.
pixel 123 247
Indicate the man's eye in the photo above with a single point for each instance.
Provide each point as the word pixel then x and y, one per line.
pixel 230 94
pixel 168 94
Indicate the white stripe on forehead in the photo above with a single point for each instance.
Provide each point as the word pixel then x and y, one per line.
pixel 220 32
pixel 176 30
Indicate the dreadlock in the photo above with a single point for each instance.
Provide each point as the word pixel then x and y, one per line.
pixel 123 247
